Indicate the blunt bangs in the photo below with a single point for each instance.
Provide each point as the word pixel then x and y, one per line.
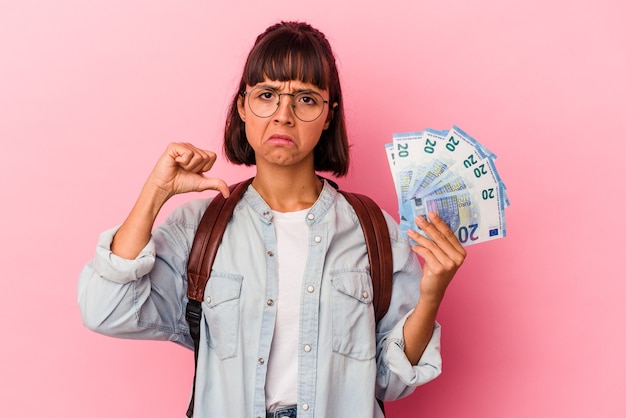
pixel 284 56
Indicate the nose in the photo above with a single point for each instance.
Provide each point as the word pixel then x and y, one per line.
pixel 285 112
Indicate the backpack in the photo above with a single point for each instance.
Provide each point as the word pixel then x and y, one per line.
pixel 209 236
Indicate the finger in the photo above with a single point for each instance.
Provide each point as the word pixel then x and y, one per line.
pixel 198 162
pixel 425 248
pixel 212 183
pixel 443 244
pixel 438 231
pixel 202 161
pixel 209 161
pixel 436 265
pixel 443 228
pixel 194 159
pixel 187 157
pixel 181 153
pixel 424 252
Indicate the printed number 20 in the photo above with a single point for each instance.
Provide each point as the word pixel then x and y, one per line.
pixel 468 233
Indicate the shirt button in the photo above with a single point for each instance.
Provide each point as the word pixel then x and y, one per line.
pixel 270 302
pixel 310 289
pixel 318 238
pixel 270 253
pixel 208 299
pixel 305 406
pixel 365 295
pixel 310 216
pixel 307 348
pixel 261 361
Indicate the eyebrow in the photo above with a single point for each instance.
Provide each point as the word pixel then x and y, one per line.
pixel 294 91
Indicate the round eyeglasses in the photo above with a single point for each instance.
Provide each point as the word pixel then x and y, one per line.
pixel 264 102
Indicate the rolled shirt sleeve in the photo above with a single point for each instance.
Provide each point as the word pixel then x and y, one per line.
pixel 429 364
pixel 118 269
pixel 141 298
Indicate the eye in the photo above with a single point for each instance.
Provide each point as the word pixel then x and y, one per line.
pixel 308 99
pixel 265 95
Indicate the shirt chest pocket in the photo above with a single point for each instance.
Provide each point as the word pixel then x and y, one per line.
pixel 354 327
pixel 221 311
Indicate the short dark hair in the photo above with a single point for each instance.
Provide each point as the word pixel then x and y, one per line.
pixel 293 51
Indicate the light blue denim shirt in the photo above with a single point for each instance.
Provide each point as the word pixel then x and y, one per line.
pixel 344 361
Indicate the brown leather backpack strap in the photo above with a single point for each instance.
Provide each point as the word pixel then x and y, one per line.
pixel 205 245
pixel 378 245
pixel 208 239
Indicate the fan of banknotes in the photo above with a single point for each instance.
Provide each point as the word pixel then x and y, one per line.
pixel 448 172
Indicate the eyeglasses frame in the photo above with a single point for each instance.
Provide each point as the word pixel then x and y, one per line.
pixel 293 103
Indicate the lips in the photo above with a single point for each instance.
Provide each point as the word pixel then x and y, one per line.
pixel 281 139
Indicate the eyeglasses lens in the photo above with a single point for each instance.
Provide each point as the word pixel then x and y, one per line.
pixel 307 105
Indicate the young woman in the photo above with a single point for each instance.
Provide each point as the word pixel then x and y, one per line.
pixel 287 325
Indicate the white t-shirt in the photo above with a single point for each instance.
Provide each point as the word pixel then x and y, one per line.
pixel 282 367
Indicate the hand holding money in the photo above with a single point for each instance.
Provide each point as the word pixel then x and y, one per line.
pixel 442 254
pixel 448 173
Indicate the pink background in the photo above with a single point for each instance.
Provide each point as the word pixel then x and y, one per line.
pixel 92 91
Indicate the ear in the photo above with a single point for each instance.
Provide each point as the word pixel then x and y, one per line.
pixel 241 108
pixel 329 118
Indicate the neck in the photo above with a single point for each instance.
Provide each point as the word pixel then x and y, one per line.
pixel 285 191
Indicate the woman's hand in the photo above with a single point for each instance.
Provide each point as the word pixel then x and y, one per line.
pixel 443 254
pixel 180 170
